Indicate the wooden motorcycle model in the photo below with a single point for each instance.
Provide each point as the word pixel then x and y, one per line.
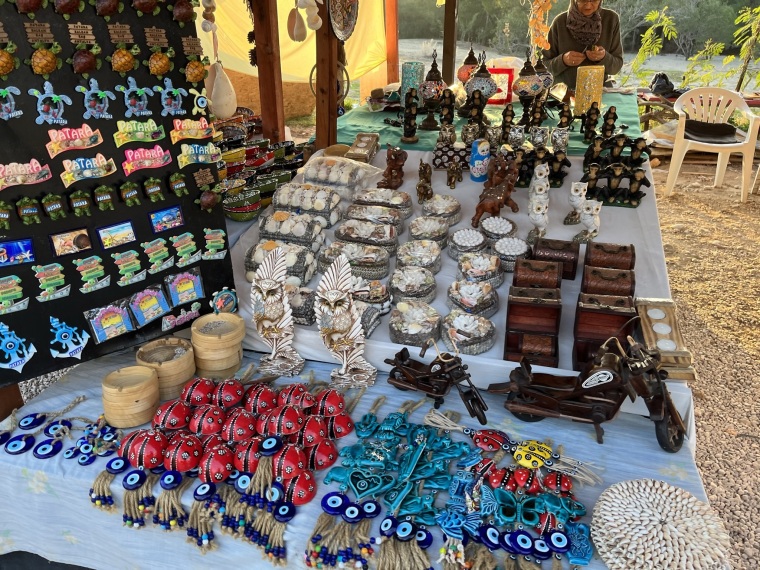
pixel 437 378
pixel 595 395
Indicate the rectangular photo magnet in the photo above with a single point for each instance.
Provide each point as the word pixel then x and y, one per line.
pixel 72 241
pixel 117 235
pixel 166 219
pixel 184 287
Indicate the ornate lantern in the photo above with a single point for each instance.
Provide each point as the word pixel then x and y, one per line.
pixel 470 64
pixel 431 90
pixel 482 80
pixel 547 79
pixel 527 87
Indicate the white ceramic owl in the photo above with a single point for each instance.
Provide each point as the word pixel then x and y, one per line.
pixel 576 199
pixel 539 191
pixel 541 171
pixel 539 217
pixel 590 219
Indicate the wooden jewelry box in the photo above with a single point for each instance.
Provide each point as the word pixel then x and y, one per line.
pixel 540 349
pixel 602 281
pixel 597 318
pixel 567 252
pixel 659 327
pixel 531 310
pixel 610 255
pixel 538 274
pixel 364 148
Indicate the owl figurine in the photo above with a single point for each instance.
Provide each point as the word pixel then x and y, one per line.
pixel 590 219
pixel 273 316
pixel 340 327
pixel 539 217
pixel 539 191
pixel 576 199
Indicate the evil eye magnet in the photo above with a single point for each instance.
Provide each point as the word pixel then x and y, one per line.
pixel 371 509
pixel 558 541
pixel 86 458
pixel 54 427
pixel 353 513
pixel 204 491
pixel 334 503
pixel 489 536
pixel 234 474
pixel 48 448
pixel 541 550
pixel 117 465
pixel 521 541
pixel 271 445
pixel 275 493
pixel 242 483
pixel 71 453
pixel 32 421
pixel 424 538
pixel 134 480
pixel 406 531
pixel 170 480
pixel 19 444
pixel 284 512
pixel 388 526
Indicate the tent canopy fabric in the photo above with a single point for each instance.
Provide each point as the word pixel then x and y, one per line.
pixel 365 49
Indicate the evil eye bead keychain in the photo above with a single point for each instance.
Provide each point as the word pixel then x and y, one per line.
pixel 19 444
pixel 48 448
pixel 32 421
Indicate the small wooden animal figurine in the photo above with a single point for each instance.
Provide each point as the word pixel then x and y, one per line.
pixel 611 113
pixel 447 107
pixel 393 175
pixel 539 217
pixel 497 171
pixel 493 134
pixel 453 173
pixel 591 177
pixel 508 114
pixel 505 130
pixel 565 123
pixel 594 153
pixel 424 186
pixel 525 171
pixel 608 128
pixel 615 174
pixel 634 194
pixel 617 145
pixel 540 173
pixel 589 131
pixel 639 148
pixel 536 117
pixel 493 199
pixel 539 191
pixel 590 219
pixel 557 173
pixel 410 117
pixel 567 113
pixel 576 199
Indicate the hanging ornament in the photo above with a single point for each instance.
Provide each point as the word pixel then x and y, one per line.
pixel 469 65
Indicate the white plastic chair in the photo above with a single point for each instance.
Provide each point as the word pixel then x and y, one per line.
pixel 713 105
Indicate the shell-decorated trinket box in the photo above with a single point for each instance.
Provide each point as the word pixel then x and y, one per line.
pixel 343 175
pixel 301 303
pixel 396 199
pixel 300 260
pixel 444 206
pixel 368 261
pixel 419 253
pixel 413 322
pixel 509 249
pixel 474 298
pixel 369 233
pixel 431 228
pixel 292 228
pixel 412 284
pixel 496 228
pixel 373 293
pixel 321 202
pixel 465 241
pixel 377 215
pixel 480 267
pixel 480 331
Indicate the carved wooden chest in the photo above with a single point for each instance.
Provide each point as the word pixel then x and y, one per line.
pixel 602 281
pixel 610 255
pixel 597 318
pixel 535 273
pixel 566 252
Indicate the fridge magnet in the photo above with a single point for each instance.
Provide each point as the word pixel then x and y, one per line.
pixel 195 69
pixel 104 198
pixel 68 7
pixel 11 295
pixel 45 60
pixel 107 8
pixel 200 102
pixel 146 7
pixel 190 129
pixel 171 98
pixel 152 188
pixel 70 241
pixel 170 321
pixel 15 352
pixel 187 250
pixel 5 215
pixel 8 103
pixel 209 198
pixel 166 219
pixel 50 106
pixel 28 210
pixel 68 342
pixel 135 99
pixel 124 60
pixel 158 255
pixel 16 173
pixel 204 177
pixel 96 100
pixel 63 140
pixel 86 168
pixel 129 266
pixel 160 62
pixel 183 11
pixel 178 185
pixel 149 305
pixel 184 287
pixel 109 322
pixel 136 131
pixel 92 273
pixel 81 203
pixel 16 252
pixel 198 154
pixel 215 244
pixel 224 301
pixel 141 158
pixel 116 235
pixel 52 282
pixel 53 206
pixel 8 61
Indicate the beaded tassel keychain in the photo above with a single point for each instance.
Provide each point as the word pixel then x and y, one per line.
pixel 138 497
pixel 210 504
pixel 169 513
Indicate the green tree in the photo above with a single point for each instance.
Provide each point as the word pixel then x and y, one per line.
pixel 632 19
pixel 691 17
pixel 746 36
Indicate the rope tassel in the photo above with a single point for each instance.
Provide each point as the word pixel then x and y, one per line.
pixel 170 514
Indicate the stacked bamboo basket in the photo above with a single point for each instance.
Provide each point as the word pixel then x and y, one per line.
pixel 218 344
pixel 173 359
pixel 130 396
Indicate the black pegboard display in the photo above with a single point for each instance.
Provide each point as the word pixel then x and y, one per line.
pixel 82 279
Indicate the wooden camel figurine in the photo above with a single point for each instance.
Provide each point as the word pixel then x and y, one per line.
pixel 498 190
pixel 424 186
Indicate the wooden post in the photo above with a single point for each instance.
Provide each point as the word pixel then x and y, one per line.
pixel 391 40
pixel 10 398
pixel 450 40
pixel 270 72
pixel 327 82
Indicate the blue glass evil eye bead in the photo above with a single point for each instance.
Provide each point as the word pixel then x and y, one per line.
pixel 170 480
pixel 334 503
pixel 284 511
pixel 32 421
pixel 48 448
pixel 4 436
pixel 424 538
pixel 489 536
pixel 204 491
pixel 107 452
pixel 558 541
pixel 406 531
pixel 193 473
pixel 86 448
pixel 353 513
pixel 242 483
pixel 388 526
pixel 371 509
pixel 54 427
pixel 275 492
pixel 505 543
pixel 71 453
pixel 134 480
pixel 271 445
pixel 86 458
pixel 81 441
pixel 158 470
pixel 541 550
pixel 117 465
pixel 19 444
pixel 521 541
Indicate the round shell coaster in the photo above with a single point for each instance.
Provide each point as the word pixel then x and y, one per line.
pixel 650 524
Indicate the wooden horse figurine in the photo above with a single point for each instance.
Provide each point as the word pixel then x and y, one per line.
pixel 424 186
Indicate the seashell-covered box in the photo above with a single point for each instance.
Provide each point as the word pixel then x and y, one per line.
pixel 509 249
pixel 474 298
pixel 385 197
pixel 292 228
pixel 419 253
pixel 368 261
pixel 300 260
pixel 373 293
pixel 480 267
pixel 343 175
pixel 412 284
pixel 302 304
pixel 430 228
pixel 446 207
pixel 369 233
pixel 377 215
pixel 496 228
pixel 320 202
pixel 481 332
pixel 413 323
pixel 465 241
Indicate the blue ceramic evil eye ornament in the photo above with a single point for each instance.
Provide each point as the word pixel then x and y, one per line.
pixel 82 441
pixel 86 459
pixel 541 550
pixel 284 512
pixel 71 453
pixel 406 531
pixel 234 474
pixel 170 480
pixel 424 538
pixel 19 444
pixel 271 445
pixel 134 480
pixel 353 513
pixel 558 541
pixel 110 436
pixel 4 436
pixel 489 536
pixel 371 509
pixel 334 503
pixel 86 448
pixel 54 427
pixel 275 493
pixel 388 526
pixel 117 465
pixel 158 470
pixel 242 483
pixel 107 452
pixel 505 543
pixel 48 448
pixel 32 421
pixel 522 541
pixel 204 491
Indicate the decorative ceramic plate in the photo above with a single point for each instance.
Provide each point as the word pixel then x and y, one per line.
pixel 343 16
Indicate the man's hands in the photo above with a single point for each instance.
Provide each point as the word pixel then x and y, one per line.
pixel 573 58
pixel 597 54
